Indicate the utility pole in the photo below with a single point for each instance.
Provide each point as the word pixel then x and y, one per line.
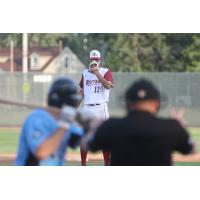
pixel 25 86
pixel 25 52
pixel 11 56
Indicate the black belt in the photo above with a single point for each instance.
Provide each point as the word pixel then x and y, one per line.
pixel 97 104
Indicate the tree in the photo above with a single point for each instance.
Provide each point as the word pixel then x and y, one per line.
pixel 139 52
pixel 5 39
pixel 126 52
pixel 192 54
pixel 178 43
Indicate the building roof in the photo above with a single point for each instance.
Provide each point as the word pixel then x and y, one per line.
pixel 52 52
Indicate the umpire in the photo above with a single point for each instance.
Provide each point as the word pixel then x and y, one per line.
pixel 141 138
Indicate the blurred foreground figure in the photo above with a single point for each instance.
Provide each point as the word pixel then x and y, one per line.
pixel 141 138
pixel 45 135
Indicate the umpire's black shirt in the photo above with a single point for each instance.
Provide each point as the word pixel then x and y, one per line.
pixel 141 139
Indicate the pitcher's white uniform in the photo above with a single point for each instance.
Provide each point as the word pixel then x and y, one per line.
pixel 96 96
pixel 94 83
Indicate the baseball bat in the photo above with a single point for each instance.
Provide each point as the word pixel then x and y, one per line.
pixel 53 110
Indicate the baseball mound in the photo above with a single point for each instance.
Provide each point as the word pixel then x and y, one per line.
pixel 187 158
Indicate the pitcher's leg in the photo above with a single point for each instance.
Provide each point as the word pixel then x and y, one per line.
pixel 83 157
pixel 106 156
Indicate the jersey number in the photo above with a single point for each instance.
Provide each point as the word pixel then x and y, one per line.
pixel 97 89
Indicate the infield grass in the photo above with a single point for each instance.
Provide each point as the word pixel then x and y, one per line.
pixel 9 141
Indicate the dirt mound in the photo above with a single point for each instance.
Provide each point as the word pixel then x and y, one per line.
pixel 99 156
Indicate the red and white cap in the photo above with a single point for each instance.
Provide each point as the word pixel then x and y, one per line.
pixel 95 55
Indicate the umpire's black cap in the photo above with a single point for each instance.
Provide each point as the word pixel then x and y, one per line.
pixel 142 90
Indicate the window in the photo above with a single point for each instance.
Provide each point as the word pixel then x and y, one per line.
pixel 34 61
pixel 65 62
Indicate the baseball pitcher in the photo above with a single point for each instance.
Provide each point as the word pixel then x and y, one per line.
pixel 95 84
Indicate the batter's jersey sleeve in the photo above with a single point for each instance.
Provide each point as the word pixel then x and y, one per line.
pixel 75 134
pixel 37 129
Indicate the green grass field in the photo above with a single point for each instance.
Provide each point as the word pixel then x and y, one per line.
pixel 9 142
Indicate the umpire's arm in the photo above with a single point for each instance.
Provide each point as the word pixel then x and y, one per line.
pixel 184 143
pixel 97 139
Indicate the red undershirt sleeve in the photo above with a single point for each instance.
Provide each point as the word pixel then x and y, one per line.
pixel 108 76
pixel 81 82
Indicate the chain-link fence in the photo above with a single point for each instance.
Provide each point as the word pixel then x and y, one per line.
pixel 182 89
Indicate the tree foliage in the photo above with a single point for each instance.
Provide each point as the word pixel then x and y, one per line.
pixel 126 52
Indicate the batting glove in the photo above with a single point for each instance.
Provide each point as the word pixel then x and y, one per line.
pixel 67 116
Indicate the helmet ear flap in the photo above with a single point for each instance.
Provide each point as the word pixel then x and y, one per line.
pixel 55 99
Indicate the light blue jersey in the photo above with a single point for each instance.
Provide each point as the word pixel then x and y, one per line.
pixel 38 126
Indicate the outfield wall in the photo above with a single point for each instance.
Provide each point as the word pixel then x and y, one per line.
pixel 182 89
